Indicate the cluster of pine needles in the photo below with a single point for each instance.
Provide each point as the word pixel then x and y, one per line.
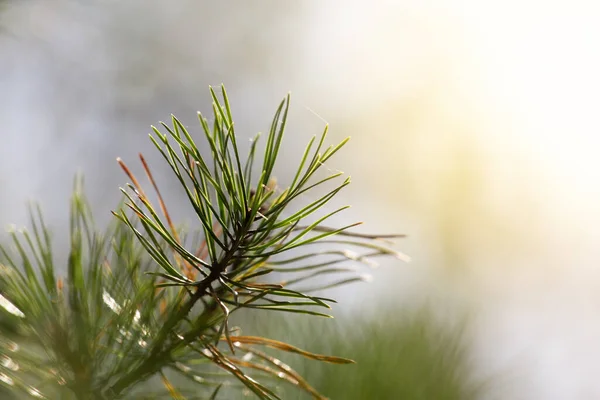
pixel 143 308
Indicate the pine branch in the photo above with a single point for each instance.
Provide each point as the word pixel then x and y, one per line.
pixel 144 299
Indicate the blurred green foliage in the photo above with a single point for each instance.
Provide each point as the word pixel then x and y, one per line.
pixel 399 355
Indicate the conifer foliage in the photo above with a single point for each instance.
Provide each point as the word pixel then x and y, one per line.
pixel 144 309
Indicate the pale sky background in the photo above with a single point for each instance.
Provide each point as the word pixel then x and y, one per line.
pixel 474 129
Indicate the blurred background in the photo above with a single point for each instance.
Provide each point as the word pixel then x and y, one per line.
pixel 474 130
